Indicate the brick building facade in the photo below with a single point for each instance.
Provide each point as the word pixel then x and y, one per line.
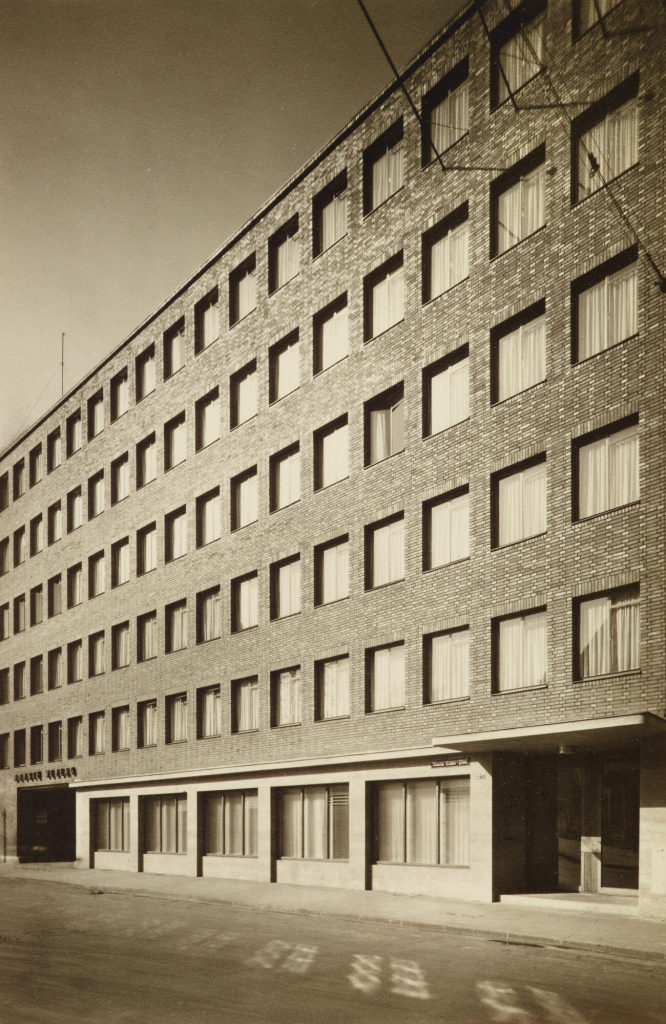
pixel 347 566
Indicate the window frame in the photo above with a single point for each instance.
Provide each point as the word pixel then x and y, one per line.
pixel 327 195
pixel 528 614
pixel 428 667
pixel 276 461
pixel 515 470
pixel 288 230
pixel 319 558
pixel 444 228
pixel 371 706
pixel 390 139
pixel 528 316
pixel 449 84
pixel 602 273
pixel 630 594
pixel 623 94
pixel 208 301
pixel 385 272
pixel 428 507
pixel 509 28
pixel 594 437
pixel 275 587
pixel 295 699
pixel 320 318
pixel 276 352
pixel 529 166
pixel 248 267
pixel 236 381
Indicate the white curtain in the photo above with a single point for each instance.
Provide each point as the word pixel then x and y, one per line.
pixel 333 341
pixel 388 678
pixel 122 646
pixel 123 479
pixel 612 145
pixel 56 522
pixel 210 422
pixel 449 260
pixel 98 495
pixel 74 432
pixel 211 616
pixel 522 504
pixel 98 732
pixel 209 325
pixel 97 416
pixel 287 370
pixel 335 688
pixel 75 737
pixel 387 431
pixel 387 174
pixel 178 441
pixel 178 526
pixel 123 730
pixel 149 459
pixel 522 358
pixel 449 666
pixel 454 815
pixel 250 809
pixel 212 712
pixel 247 396
pixel 288 479
pixel 421 821
pixel 247 705
pixel 178 719
pixel 449 120
pixel 246 500
pixel 211 519
pixel 214 817
pixel 122 391
pixel 335 456
pixel 38 535
pixel 335 572
pixel 289 588
pixel 56 445
pixel 449 531
pixel 610 633
pixel 522 642
pixel 449 396
pixel 149 637
pixel 148 374
pixel 291 823
pixel 149 542
pixel 178 627
pixel 521 209
pixel 233 824
pixel 149 725
pixel 608 312
pixel 247 603
pixel 388 559
pixel 76 509
pixel 391 822
pixel 176 351
pixel 608 472
pixel 387 301
pixel 287 258
pixel 55 667
pixel 288 703
pixel 522 56
pixel 333 221
pixel 98 575
pixel 75 652
pixel 246 295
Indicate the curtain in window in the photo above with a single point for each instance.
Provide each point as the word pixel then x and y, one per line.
pixel 335 572
pixel 123 727
pixel 391 822
pixel 122 563
pixel 388 553
pixel 522 643
pixel 588 15
pixel 610 633
pixel 77 510
pixel 335 688
pixel 211 525
pixel 76 737
pixel 287 370
pixel 169 826
pixel 210 624
pixel 449 396
pixel 387 174
pixel 522 358
pixel 315 822
pixel 334 339
pixel 290 823
pixel 387 432
pixel 334 456
pixel 250 824
pixel 449 531
pixel 247 396
pixel 178 627
pixel 178 535
pixel 212 713
pixel 120 396
pixel 149 724
pixel 233 824
pixel 522 56
pixel 387 301
pixel 289 588
pixel 612 145
pixel 247 603
pixel 388 678
pixel 76 655
pixel 421 822
pixel 209 325
pixel 287 258
pixel 148 375
pixel 149 543
pixel 449 260
pixel 123 479
pixel 75 434
pixel 454 812
pixel 608 472
pixel 522 504
pixel 210 422
pixel 214 811
pixel 247 293
pixel 449 666
pixel 521 209
pixel 122 647
pixel 449 120
pixel 178 443
pixel 333 221
pixel 246 501
pixel 98 496
pixel 246 705
pixel 288 703
pixel 102 839
pixel 288 480
pixel 97 725
pixel 178 719
pixel 607 312
pixel 151 824
pixel 176 351
pixel 56 669
pixel 97 655
pixel 97 417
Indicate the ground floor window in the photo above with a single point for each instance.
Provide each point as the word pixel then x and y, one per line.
pixel 112 824
pixel 314 822
pixel 423 821
pixel 231 823
pixel 165 824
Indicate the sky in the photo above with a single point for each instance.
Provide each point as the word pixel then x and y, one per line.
pixel 137 135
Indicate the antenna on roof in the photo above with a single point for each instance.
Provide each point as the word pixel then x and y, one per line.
pixel 62 364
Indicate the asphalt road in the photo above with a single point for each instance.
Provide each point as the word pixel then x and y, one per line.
pixel 68 956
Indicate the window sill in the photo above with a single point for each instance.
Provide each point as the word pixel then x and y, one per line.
pixel 147 746
pixel 520 689
pixel 446 700
pixel 173 373
pixel 243 732
pixel 419 864
pixel 327 604
pixel 121 583
pixel 606 512
pixel 609 348
pixel 383 711
pixel 176 650
pixel 145 483
pixel 384 459
pixel 523 391
pixel 619 674
pixel 316 860
pixel 318 255
pixel 318 373
pixel 168 469
pixel 199 351
pixel 280 398
pixel 383 586
pixel 447 291
pixel 445 565
pixel 244 629
pixel 282 507
pixel 174 743
pixel 208 640
pixel 512 248
pixel 118 668
pixel 498 104
pixel 286 725
pixel 141 398
pixel 373 337
pixel 232 856
pixel 175 558
pixel 114 419
pixel 279 287
pixel 435 159
pixel 203 447
pixel 445 429
pixel 519 540
pixel 379 206
pixel 334 718
pixel 248 419
pixel 327 487
pixel 206 543
pixel 146 572
pixel 575 203
pixel 244 526
pixel 241 318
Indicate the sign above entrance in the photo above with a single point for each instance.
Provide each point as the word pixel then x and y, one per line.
pixel 450 762
pixel 51 773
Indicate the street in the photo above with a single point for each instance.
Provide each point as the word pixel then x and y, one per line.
pixel 70 955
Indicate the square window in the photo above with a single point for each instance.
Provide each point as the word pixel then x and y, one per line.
pixel 35 465
pixel 146 636
pixel 243 388
pixel 54 516
pixel 175 441
pixel 313 822
pixel 604 139
pixel 75 737
pixel 119 395
pixel 19 681
pixel 209 517
pixel 96 494
pixel 146 461
pixel 120 475
pixel 55 669
pixel 174 349
pixel 53 450
pixel 283 255
pixel 422 821
pixel 244 602
pixel 96 663
pixel 446 665
pixel 209 712
pixel 36 605
pixel 55 595
pixel 55 741
pixel 96 574
pixel 145 373
pixel 604 306
pixel 445 254
pixel 332 688
pixel 95 415
pixel 332 571
pixel 607 633
pixel 209 615
pixel 286 697
pixel 73 432
pixel 36 675
pixel 329 215
pixel 120 728
pixel 19 479
pixel 19 613
pixel 606 469
pixel 383 301
pixel 19 546
pixel 520 651
pixel 96 733
pixel 446 529
pixel 517 49
pixel 74 585
pixel 285 477
pixel 146 549
pixel 245 705
pixel 445 113
pixel 74 510
pixel 518 202
pixel 518 353
pixel 75 661
pixel 331 335
pixel 206 322
pixel 385 552
pixel 147 723
pixel 36 535
pixel 519 502
pixel 230 823
pixel 331 453
pixel 286 587
pixel 384 421
pixel 385 677
pixel 176 718
pixel 175 616
pixel 284 367
pixel 383 168
pixel 175 534
pixel 120 645
pixel 207 419
pixel 242 290
pixel 244 502
pixel 165 824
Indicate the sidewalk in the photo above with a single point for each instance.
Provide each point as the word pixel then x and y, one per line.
pixel 587 928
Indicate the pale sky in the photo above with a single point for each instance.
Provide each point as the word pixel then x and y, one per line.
pixel 137 135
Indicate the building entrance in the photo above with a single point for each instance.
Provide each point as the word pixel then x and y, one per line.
pixel 46 824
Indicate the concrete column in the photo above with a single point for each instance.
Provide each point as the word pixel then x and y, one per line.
pixel 359 853
pixel 136 856
pixel 590 827
pixel 266 830
pixel 652 830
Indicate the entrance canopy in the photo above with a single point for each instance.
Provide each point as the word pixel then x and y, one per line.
pixel 563 737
